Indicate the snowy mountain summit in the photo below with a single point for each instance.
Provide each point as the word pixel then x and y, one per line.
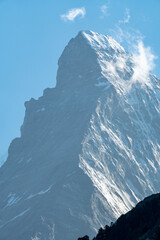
pixel 89 148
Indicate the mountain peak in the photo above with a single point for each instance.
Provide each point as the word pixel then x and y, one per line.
pixel 93 55
pixel 78 60
pixel 117 67
pixel 101 42
pixel 82 133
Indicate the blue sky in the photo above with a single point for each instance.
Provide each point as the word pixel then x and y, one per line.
pixel 33 34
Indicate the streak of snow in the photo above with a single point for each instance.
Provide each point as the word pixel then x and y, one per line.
pixel 41 109
pixel 40 193
pixel 29 159
pixel 12 199
pixel 14 218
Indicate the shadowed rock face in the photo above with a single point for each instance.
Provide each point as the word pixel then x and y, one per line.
pixel 47 191
pixel 89 148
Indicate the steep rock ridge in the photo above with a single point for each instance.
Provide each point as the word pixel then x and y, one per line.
pixel 89 148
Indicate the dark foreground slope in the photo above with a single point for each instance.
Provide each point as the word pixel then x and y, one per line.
pixel 141 223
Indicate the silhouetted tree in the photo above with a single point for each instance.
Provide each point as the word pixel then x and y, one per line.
pixel 84 238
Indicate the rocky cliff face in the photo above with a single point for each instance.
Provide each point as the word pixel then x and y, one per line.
pixel 89 148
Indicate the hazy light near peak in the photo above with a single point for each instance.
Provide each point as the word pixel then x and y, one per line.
pixel 73 13
pixel 143 57
pixel 144 63
pixel 127 17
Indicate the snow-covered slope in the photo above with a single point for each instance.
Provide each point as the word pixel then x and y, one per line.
pixel 121 151
pixel 89 149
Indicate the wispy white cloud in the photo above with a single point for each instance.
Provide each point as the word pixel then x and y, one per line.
pixel 127 17
pixel 143 63
pixel 124 33
pixel 104 9
pixel 73 13
pixel 127 35
pixel 133 40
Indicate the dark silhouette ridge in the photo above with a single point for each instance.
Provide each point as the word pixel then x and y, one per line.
pixel 141 223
